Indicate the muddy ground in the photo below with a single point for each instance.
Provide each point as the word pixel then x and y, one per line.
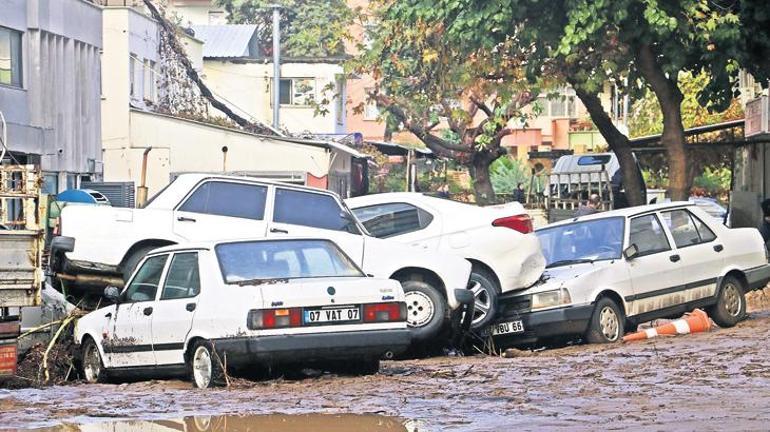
pixel 711 381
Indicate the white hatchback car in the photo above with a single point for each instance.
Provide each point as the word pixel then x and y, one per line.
pixel 195 308
pixel 495 239
pixel 609 271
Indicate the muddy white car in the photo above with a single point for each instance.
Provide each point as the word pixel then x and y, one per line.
pixel 204 207
pixel 609 272
pixel 247 304
pixel 495 239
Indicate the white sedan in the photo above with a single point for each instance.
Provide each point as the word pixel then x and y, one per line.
pixel 195 308
pixel 610 271
pixel 495 239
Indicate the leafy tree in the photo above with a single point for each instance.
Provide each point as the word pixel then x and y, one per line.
pixel 459 103
pixel 645 43
pixel 507 173
pixel 314 28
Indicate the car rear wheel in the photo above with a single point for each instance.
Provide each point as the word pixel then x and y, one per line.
pixel 485 292
pixel 93 367
pixel 425 310
pixel 606 325
pixel 129 265
pixel 730 307
pixel 205 369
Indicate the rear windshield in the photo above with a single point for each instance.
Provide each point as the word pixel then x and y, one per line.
pixel 594 160
pixel 261 261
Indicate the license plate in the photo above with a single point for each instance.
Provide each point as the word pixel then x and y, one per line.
pixel 332 315
pixel 507 327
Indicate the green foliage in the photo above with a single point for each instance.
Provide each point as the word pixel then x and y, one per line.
pixel 647 119
pixel 309 28
pixel 507 173
pixel 714 180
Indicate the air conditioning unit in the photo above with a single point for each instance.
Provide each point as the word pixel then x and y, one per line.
pixel 757 119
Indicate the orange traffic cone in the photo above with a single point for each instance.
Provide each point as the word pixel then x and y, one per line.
pixel 694 322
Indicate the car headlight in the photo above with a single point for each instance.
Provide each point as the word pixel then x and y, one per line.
pixel 548 299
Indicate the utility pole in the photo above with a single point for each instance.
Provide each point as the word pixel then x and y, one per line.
pixel 276 65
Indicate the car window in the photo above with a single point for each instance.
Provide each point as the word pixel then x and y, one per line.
pixel 682 228
pixel 386 220
pixel 311 209
pixel 228 199
pixel 648 235
pixel 705 233
pixel 183 279
pixel 144 285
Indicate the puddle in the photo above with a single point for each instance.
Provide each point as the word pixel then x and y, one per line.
pixel 253 423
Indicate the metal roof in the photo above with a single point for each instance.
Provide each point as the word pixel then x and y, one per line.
pixel 227 40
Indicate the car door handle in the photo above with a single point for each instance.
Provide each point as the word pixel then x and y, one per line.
pixel 278 230
pixel 190 307
pixel 108 315
pixel 719 248
pixel 674 258
pixel 148 311
pixel 185 219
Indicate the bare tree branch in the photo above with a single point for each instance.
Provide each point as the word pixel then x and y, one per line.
pixel 482 106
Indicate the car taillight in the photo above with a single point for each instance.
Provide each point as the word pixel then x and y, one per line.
pixel 274 318
pixel 520 223
pixel 381 312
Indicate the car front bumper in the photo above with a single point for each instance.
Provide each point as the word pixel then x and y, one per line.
pixel 552 323
pixel 309 348
pixel 758 277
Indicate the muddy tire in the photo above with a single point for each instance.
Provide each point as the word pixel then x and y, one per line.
pixel 730 307
pixel 205 367
pixel 485 292
pixel 426 310
pixel 92 364
pixel 606 324
pixel 130 263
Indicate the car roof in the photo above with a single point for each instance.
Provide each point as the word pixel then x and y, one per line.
pixel 393 197
pixel 208 245
pixel 626 212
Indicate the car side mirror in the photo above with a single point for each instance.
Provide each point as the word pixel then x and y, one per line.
pixel 631 252
pixel 112 294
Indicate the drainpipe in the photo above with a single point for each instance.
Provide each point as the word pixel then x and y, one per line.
pixel 141 191
pixel 276 66
pixel 224 159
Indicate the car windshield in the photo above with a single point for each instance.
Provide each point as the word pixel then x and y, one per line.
pixel 584 241
pixel 264 261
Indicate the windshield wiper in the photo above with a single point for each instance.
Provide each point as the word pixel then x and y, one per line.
pixel 261 281
pixel 569 262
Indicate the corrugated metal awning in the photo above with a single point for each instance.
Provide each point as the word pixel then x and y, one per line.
pixel 227 40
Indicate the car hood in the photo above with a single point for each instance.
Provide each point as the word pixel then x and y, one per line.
pixel 558 277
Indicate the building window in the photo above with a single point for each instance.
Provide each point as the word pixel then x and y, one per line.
pixel 297 91
pixel 150 91
pixel 132 75
pixel 10 57
pixel 371 110
pixel 562 105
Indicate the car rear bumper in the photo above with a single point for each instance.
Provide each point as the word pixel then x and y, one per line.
pixel 553 323
pixel 309 348
pixel 758 277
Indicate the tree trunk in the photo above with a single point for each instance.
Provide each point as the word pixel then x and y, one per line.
pixel 482 183
pixel 670 99
pixel 619 144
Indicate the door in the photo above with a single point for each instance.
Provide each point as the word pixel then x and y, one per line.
pixel 701 255
pixel 174 311
pixel 130 343
pixel 299 213
pixel 220 210
pixel 403 222
pixel 656 271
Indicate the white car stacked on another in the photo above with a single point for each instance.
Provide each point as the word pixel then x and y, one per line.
pixel 195 308
pixel 610 271
pixel 495 239
pixel 208 207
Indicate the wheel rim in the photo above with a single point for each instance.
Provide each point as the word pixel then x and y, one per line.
pixel 732 298
pixel 609 323
pixel 419 308
pixel 202 367
pixel 482 302
pixel 92 364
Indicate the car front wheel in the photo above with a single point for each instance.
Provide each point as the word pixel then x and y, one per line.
pixel 205 369
pixel 606 324
pixel 485 292
pixel 93 367
pixel 425 310
pixel 730 307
